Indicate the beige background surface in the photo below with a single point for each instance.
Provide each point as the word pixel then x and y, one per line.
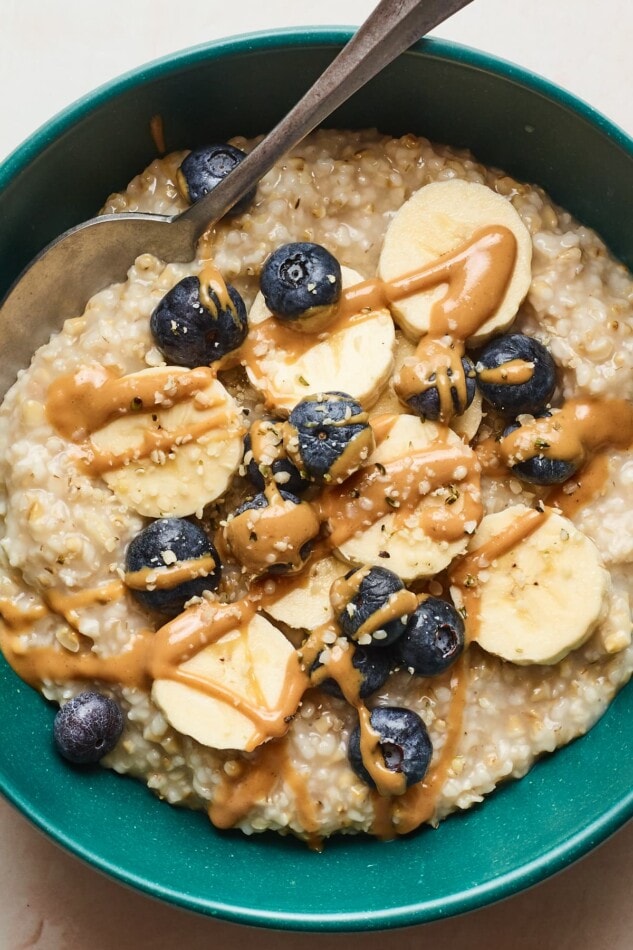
pixel 50 53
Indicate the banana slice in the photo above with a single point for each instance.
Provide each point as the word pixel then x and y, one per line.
pixel 307 605
pixel 354 357
pixel 172 461
pixel 401 544
pixel 439 218
pixel 545 596
pixel 250 665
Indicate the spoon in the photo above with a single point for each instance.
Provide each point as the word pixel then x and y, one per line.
pixel 100 251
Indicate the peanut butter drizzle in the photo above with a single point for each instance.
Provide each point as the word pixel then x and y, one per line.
pixel 464 573
pixel 399 604
pixel 586 485
pixel 214 293
pixel 250 783
pixel 171 575
pixel 82 402
pixel 255 536
pixel 579 429
pixel 271 335
pixel 67 603
pixel 18 614
pixel 435 365
pixel 398 486
pixel 512 373
pixel 418 804
pixel 98 461
pixel 157 131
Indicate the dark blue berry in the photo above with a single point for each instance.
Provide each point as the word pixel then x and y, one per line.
pixel 180 539
pixel 541 470
pixel 404 743
pixel 373 592
pixel 328 437
pixel 427 402
pixel 289 560
pixel 433 639
pixel 299 279
pixel 283 467
pixel 515 398
pixel 205 167
pixel 87 727
pixel 373 666
pixel 188 333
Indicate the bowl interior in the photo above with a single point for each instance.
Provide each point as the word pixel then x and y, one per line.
pixel 526 830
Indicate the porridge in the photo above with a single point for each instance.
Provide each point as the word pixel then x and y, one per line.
pixel 331 529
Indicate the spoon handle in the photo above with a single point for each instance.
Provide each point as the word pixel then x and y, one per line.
pixel 388 31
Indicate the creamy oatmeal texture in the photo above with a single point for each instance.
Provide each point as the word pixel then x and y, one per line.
pixel 68 617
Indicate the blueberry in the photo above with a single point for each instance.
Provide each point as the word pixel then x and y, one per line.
pixel 278 542
pixel 328 437
pixel 299 280
pixel 427 402
pixel 541 470
pixel 404 743
pixel 162 547
pixel 375 588
pixel 205 167
pixel 188 333
pixel 433 639
pixel 87 727
pixel 522 397
pixel 373 666
pixel 281 469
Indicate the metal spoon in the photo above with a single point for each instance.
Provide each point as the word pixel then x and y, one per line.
pixel 60 280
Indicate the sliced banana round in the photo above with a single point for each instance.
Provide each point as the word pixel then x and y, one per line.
pixel 250 667
pixel 172 461
pixel 438 219
pixel 307 604
pixel 354 356
pixel 397 542
pixel 542 598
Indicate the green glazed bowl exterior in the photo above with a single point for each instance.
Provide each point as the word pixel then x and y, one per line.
pixel 527 830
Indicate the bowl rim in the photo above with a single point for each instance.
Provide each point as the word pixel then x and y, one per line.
pixel 551 861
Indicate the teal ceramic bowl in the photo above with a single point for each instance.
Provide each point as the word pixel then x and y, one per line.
pixel 528 829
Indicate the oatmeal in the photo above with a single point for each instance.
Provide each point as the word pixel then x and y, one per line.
pixel 244 538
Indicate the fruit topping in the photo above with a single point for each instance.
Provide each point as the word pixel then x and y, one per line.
pixel 301 284
pixel 272 532
pixel 169 562
pixel 539 468
pixel 371 606
pixel 472 238
pixel 372 665
pixel 205 167
pixel 199 320
pixel 516 374
pixel 87 727
pixel 328 437
pixel 433 638
pixel 534 586
pixel 436 384
pixel 404 744
pixel 265 458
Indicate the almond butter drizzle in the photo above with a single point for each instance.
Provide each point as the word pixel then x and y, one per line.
pixel 170 575
pixel 512 373
pixel 214 293
pixel 19 613
pixel 437 364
